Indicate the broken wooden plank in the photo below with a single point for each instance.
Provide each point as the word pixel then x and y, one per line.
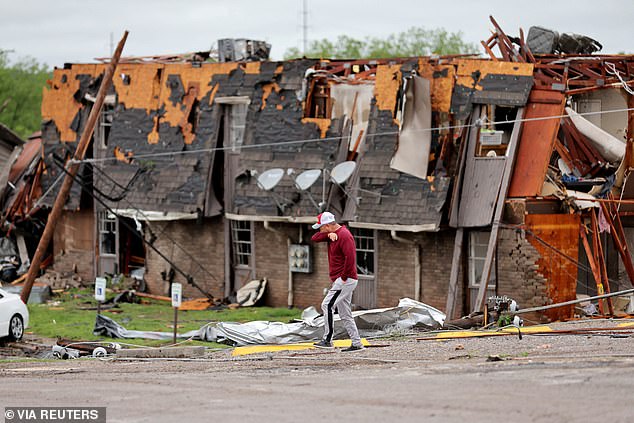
pixel 452 292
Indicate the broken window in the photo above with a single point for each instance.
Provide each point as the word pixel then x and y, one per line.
pixel 242 242
pixel 107 233
pixel 237 118
pixel 478 245
pixel 236 109
pixel 318 103
pixel 364 241
pixel 495 134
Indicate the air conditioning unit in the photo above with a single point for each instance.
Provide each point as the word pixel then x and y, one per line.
pixel 488 137
pixel 299 258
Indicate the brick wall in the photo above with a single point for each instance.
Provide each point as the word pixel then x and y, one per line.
pixel 203 242
pixel 74 244
pixel 271 253
pixel 394 276
pixel 518 272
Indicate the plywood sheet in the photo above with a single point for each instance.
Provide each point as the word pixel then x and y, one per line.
pixel 388 79
pixel 480 188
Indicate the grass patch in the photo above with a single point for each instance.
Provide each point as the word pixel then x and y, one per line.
pixel 66 317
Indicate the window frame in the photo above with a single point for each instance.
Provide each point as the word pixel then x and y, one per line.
pixel 107 225
pixel 239 243
pixel 368 236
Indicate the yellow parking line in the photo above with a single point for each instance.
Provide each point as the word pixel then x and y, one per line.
pixel 254 349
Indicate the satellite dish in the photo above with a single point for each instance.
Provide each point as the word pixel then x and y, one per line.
pixel 307 178
pixel 342 172
pixel 270 178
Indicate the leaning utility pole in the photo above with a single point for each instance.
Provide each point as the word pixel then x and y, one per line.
pixel 72 167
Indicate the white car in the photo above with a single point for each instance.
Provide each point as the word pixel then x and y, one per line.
pixel 14 316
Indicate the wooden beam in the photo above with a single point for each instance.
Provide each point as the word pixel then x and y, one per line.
pixel 618 235
pixel 600 259
pixel 452 292
pixel 593 265
pixel 629 141
pixel 72 168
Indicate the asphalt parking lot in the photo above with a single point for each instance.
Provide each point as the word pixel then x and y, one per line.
pixel 563 378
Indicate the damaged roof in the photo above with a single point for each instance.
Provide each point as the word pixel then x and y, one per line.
pixel 194 138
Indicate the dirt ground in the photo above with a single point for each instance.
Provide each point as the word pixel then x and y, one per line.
pixel 541 378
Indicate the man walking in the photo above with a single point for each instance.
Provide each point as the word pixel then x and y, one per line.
pixel 342 264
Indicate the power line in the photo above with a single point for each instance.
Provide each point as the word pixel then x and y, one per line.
pixel 153 232
pixel 477 123
pixel 190 280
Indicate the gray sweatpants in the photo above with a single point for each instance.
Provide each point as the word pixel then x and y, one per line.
pixel 340 297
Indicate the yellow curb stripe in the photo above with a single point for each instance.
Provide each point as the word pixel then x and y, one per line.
pixel 254 349
pixel 476 334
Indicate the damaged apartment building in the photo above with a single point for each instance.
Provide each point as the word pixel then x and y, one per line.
pixel 449 170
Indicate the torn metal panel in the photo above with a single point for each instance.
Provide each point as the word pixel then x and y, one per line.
pixel 536 143
pixel 414 142
pixel 371 323
pixel 560 273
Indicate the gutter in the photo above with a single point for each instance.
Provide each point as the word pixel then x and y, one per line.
pixel 269 228
pixel 416 262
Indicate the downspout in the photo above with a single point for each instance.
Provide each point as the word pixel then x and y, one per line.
pixel 416 262
pixel 290 273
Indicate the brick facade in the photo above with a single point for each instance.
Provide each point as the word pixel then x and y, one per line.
pixel 189 245
pixel 272 262
pixel 74 243
pixel 518 271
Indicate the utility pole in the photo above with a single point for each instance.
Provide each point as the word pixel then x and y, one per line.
pixel 305 26
pixel 72 167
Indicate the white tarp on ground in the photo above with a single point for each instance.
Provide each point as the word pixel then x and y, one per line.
pixel 371 323
pixel 414 141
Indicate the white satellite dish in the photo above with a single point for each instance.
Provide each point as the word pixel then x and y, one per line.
pixel 342 172
pixel 270 178
pixel 307 178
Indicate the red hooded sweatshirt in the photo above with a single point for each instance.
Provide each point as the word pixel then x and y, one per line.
pixel 342 254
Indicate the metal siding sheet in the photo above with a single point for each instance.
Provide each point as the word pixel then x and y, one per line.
pixel 536 143
pixel 561 232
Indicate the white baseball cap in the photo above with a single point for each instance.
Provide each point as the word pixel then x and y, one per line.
pixel 324 219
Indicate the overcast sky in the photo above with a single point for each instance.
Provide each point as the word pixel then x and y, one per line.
pixel 79 30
